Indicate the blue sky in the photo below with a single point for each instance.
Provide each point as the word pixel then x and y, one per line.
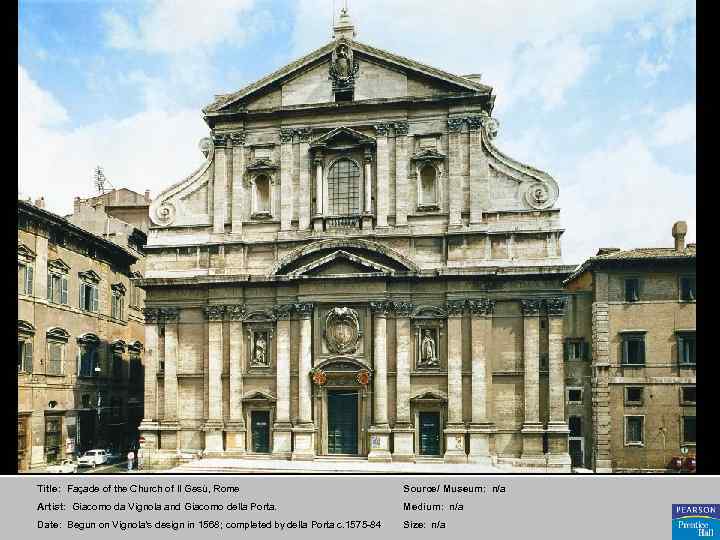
pixel 600 94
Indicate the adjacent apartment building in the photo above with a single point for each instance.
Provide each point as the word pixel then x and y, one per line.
pixel 80 338
pixel 631 403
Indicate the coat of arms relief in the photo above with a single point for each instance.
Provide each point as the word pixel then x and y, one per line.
pixel 342 330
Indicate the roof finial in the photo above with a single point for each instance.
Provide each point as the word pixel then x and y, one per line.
pixel 344 27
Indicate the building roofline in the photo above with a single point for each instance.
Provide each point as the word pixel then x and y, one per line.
pixel 616 259
pixel 33 211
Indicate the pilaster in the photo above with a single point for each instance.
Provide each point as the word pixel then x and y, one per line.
pixel 282 428
pixel 557 429
pixel 380 430
pixel 149 425
pixel 304 185
pixel 238 190
pixel 235 428
pixel 213 427
pixel 479 173
pixel 455 181
pixel 304 433
pixel 383 174
pixel 286 174
pixel 220 183
pixel 403 433
pixel 481 427
pixel 532 430
pixel 401 174
pixel 455 430
pixel 602 420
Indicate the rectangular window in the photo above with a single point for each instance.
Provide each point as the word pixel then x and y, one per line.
pixel 117 306
pixel 688 395
pixel 633 349
pixel 117 367
pixel 55 355
pixel 25 279
pixel 574 395
pixel 57 289
pixel 634 430
pixel 575 425
pixel 25 356
pixel 688 430
pixel 88 361
pixel 633 395
pixel 576 349
pixel 632 290
pixel 88 297
pixel 686 348
pixel 135 368
pixel 687 289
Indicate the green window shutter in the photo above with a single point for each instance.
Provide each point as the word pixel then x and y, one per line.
pixel 28 356
pixel 624 351
pixel 49 287
pixel 82 296
pixel 64 291
pixel 642 350
pixel 94 299
pixel 566 352
pixel 585 346
pixel 680 349
pixel 29 279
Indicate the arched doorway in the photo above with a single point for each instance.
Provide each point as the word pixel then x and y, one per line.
pixel 342 406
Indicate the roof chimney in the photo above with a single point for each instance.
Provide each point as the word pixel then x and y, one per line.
pixel 40 203
pixel 344 28
pixel 147 195
pixel 679 231
pixel 76 205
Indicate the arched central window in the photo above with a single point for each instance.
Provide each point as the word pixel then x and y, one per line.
pixel 344 188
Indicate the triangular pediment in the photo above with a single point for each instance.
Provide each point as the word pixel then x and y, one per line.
pixel 430 395
pixel 59 266
pixel 340 262
pixel 89 275
pixel 418 78
pixel 259 395
pixel 25 253
pixel 343 136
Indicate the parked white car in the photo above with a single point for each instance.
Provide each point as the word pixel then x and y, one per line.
pixel 91 458
pixel 67 466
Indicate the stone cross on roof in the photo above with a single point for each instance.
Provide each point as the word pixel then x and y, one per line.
pixel 344 27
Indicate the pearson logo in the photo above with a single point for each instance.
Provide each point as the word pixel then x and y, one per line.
pixel 696 521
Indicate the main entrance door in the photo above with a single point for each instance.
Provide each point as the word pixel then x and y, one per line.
pixel 342 422
pixel 429 434
pixel 260 426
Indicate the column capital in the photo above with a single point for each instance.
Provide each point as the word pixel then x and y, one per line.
pixel 401 128
pixel 368 155
pixel 304 134
pixel 556 306
pixel 282 311
pixel 235 312
pixel 168 314
pixel 455 124
pixel 220 140
pixel 214 313
pixel 152 315
pixel 286 135
pixel 530 307
pixel 481 306
pixel 238 137
pixel 455 308
pixel 382 308
pixel 403 309
pixel 381 129
pixel 304 310
pixel 474 122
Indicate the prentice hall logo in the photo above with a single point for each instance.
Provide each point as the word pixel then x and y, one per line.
pixel 696 521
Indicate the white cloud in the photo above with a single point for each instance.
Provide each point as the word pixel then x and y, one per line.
pixel 621 196
pixel 676 126
pixel 652 69
pixel 149 150
pixel 526 50
pixel 174 26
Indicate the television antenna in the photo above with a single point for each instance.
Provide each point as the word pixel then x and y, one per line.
pixel 100 180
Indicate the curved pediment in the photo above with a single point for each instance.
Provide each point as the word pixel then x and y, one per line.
pixel 342 364
pixel 342 257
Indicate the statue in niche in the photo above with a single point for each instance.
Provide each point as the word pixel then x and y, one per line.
pixel 428 350
pixel 259 357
